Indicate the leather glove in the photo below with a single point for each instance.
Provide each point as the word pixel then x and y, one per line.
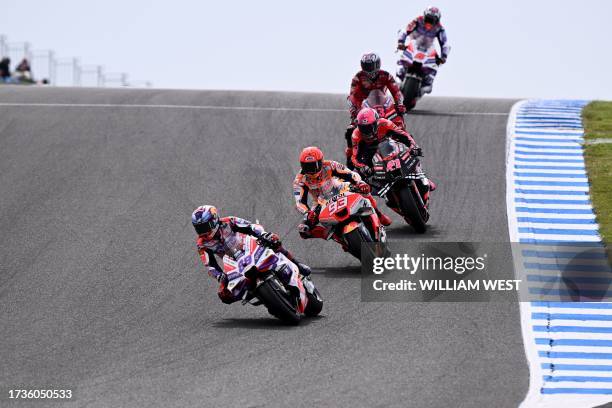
pixel 400 108
pixel 440 60
pixel 215 273
pixel 365 171
pixel 312 217
pixel 416 151
pixel 401 46
pixel 363 187
pixel 271 239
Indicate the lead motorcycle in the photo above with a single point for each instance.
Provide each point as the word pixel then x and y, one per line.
pixel 264 277
pixel 398 178
pixel 351 221
pixel 419 59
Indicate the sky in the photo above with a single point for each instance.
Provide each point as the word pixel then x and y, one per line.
pixel 518 48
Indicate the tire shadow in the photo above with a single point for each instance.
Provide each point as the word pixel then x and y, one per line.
pixel 342 272
pixel 406 232
pixel 263 323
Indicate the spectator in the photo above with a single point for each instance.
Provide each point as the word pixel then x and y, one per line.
pixel 5 69
pixel 23 70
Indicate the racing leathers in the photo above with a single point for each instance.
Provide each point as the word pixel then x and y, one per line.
pixel 229 241
pixel 333 178
pixel 426 34
pixel 363 149
pixel 361 86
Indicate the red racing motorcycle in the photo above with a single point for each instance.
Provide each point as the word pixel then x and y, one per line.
pixel 351 220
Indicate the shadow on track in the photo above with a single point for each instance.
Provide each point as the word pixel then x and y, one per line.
pixel 264 323
pixel 406 233
pixel 341 272
pixel 418 112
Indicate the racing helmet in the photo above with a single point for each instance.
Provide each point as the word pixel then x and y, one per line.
pixel 205 220
pixel 432 15
pixel 311 160
pixel 370 64
pixel 367 122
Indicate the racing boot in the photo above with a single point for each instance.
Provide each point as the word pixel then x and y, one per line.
pixel 384 219
pixel 427 85
pixel 401 72
pixel 428 185
pixel 302 267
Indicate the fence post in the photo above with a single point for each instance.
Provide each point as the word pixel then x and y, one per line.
pixel 27 51
pixel 99 81
pixel 3 46
pixel 76 72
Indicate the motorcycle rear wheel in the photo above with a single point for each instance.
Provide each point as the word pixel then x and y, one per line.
pixel 411 90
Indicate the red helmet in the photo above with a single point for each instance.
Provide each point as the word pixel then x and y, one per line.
pixel 311 160
pixel 367 122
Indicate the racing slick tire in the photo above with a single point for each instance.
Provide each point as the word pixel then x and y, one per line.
pixel 278 301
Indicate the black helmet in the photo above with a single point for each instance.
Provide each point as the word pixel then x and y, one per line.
pixel 370 63
pixel 432 15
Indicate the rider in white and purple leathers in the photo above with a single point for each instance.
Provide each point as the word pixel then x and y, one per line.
pixel 426 27
pixel 219 236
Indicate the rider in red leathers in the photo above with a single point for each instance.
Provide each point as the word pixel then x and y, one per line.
pixel 371 129
pixel 322 179
pixel 370 77
pixel 220 236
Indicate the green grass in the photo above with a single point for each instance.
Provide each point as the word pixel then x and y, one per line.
pixel 597 118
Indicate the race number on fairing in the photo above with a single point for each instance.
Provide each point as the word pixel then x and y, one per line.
pixel 338 204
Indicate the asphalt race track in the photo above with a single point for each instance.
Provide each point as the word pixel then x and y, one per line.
pixel 102 291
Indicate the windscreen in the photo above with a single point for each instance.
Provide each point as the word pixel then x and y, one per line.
pixel 376 98
pixel 387 148
pixel 422 42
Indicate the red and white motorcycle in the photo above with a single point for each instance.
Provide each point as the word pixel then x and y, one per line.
pixel 351 220
pixel 262 276
pixel 419 59
pixel 384 104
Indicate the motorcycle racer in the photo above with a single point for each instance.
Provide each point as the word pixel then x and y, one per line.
pixel 218 236
pixel 371 77
pixel 323 179
pixel 371 129
pixel 425 28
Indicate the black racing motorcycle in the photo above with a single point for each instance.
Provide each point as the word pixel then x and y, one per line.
pixel 398 178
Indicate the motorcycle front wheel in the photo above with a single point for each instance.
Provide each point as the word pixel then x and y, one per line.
pixel 410 209
pixel 354 240
pixel 276 299
pixel 315 303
